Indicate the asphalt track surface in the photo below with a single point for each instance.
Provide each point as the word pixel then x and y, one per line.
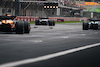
pixel 45 40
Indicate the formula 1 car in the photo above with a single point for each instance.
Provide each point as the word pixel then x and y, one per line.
pixel 9 24
pixel 91 24
pixel 45 21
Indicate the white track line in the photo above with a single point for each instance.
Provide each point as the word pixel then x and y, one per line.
pixel 46 57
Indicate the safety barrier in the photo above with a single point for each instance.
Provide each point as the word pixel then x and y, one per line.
pixel 32 19
pixel 60 20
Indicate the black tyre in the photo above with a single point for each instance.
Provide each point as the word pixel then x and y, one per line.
pixel 96 26
pixel 50 23
pixel 53 23
pixel 85 25
pixel 36 22
pixel 20 27
pixel 0 28
pixel 26 27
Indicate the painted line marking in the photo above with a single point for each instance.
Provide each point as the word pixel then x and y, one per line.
pixel 46 57
pixel 38 41
pixel 26 36
pixel 35 41
pixel 65 37
pixel 74 35
pixel 83 34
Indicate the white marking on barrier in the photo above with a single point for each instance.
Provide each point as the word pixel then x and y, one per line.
pixel 25 19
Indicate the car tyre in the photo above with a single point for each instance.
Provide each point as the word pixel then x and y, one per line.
pixel 50 23
pixel 19 27
pixel 26 27
pixel 96 26
pixel 53 23
pixel 1 29
pixel 36 22
pixel 85 25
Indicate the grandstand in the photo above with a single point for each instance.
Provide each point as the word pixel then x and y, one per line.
pixel 86 5
pixel 91 6
pixel 35 8
pixel 67 8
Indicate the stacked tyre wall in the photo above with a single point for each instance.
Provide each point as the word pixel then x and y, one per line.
pixel 32 19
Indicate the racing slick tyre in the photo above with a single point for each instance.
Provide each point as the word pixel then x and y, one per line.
pixel 50 23
pixel 26 27
pixel 19 27
pixel 53 23
pixel 0 28
pixel 36 22
pixel 85 25
pixel 96 26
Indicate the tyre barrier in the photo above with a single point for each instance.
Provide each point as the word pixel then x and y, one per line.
pixel 61 19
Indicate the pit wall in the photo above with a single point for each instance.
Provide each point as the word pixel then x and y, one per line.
pixel 32 19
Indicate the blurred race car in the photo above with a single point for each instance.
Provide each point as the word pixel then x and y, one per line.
pixel 9 24
pixel 91 24
pixel 45 21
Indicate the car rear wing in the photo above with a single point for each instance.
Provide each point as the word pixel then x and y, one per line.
pixel 94 20
pixel 7 17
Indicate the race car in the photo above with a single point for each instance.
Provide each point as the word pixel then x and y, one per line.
pixel 9 24
pixel 45 21
pixel 91 24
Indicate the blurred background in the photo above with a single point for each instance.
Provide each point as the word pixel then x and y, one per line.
pixel 66 8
